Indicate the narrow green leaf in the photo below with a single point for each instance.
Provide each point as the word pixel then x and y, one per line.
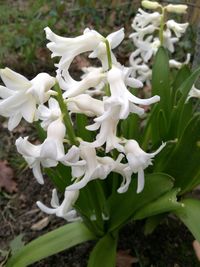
pixel 51 243
pixel 81 131
pixel 104 253
pixel 190 216
pixel 161 80
pixel 152 222
pixel 181 76
pixel 123 206
pixel 165 203
pixel 182 163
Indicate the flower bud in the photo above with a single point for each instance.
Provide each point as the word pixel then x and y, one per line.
pixel 178 9
pixel 150 4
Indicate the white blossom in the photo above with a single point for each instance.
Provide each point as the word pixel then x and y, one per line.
pixel 46 154
pixel 179 9
pixel 21 96
pixel 178 28
pixel 139 160
pixel 194 92
pixel 69 48
pixel 85 104
pixel 65 209
pixel 95 167
pixel 49 114
pixel 142 19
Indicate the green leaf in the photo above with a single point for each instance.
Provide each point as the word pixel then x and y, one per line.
pixel 16 244
pixel 161 80
pixel 51 243
pixel 152 222
pixel 190 216
pixel 123 206
pixel 165 203
pixel 104 253
pixel 181 76
pixel 81 131
pixel 182 164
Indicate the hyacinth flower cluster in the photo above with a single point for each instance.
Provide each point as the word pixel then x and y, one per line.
pixel 115 157
pixel 152 30
pixel 36 100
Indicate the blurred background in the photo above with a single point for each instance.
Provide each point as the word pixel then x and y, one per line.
pixel 22 38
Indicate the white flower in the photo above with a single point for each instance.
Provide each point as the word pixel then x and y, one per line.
pixel 69 48
pixel 142 19
pixel 108 129
pixel 176 64
pixel 63 210
pixel 50 113
pixel 169 41
pixel 96 90
pixel 120 95
pixel 194 92
pixel 140 33
pixel 139 160
pixel 147 47
pixel 114 39
pixel 94 168
pixel 85 104
pixel 73 87
pixel 46 154
pixel 20 96
pixel 177 28
pixel 140 69
pixel 179 9
pixel 151 4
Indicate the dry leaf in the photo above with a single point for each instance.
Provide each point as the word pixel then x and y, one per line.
pixel 38 226
pixel 6 178
pixel 124 259
pixel 196 247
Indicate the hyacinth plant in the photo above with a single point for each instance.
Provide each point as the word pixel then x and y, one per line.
pixel 113 157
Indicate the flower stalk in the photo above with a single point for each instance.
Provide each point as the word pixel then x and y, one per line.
pixel 66 118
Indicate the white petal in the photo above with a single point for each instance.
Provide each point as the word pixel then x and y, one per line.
pixel 45 208
pixel 14 80
pixel 37 172
pixel 115 38
pixel 54 199
pixel 140 185
pixel 14 121
pixel 28 110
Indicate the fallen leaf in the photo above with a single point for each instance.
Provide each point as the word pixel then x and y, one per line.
pixel 6 177
pixel 38 226
pixel 196 247
pixel 124 259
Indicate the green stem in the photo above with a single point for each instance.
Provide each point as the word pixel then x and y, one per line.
pixel 107 87
pixel 162 24
pixel 108 54
pixel 66 117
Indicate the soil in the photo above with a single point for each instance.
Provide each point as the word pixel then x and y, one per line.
pixel 170 245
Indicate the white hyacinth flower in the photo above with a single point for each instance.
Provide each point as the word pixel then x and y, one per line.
pixel 94 168
pixel 96 90
pixel 73 88
pixel 114 39
pixel 46 154
pixel 20 96
pixel 139 160
pixel 178 28
pixel 107 123
pixel 120 95
pixel 140 33
pixel 142 19
pixel 85 104
pixel 49 114
pixel 194 92
pixel 169 40
pixel 65 209
pixel 176 64
pixel 178 9
pixel 69 48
